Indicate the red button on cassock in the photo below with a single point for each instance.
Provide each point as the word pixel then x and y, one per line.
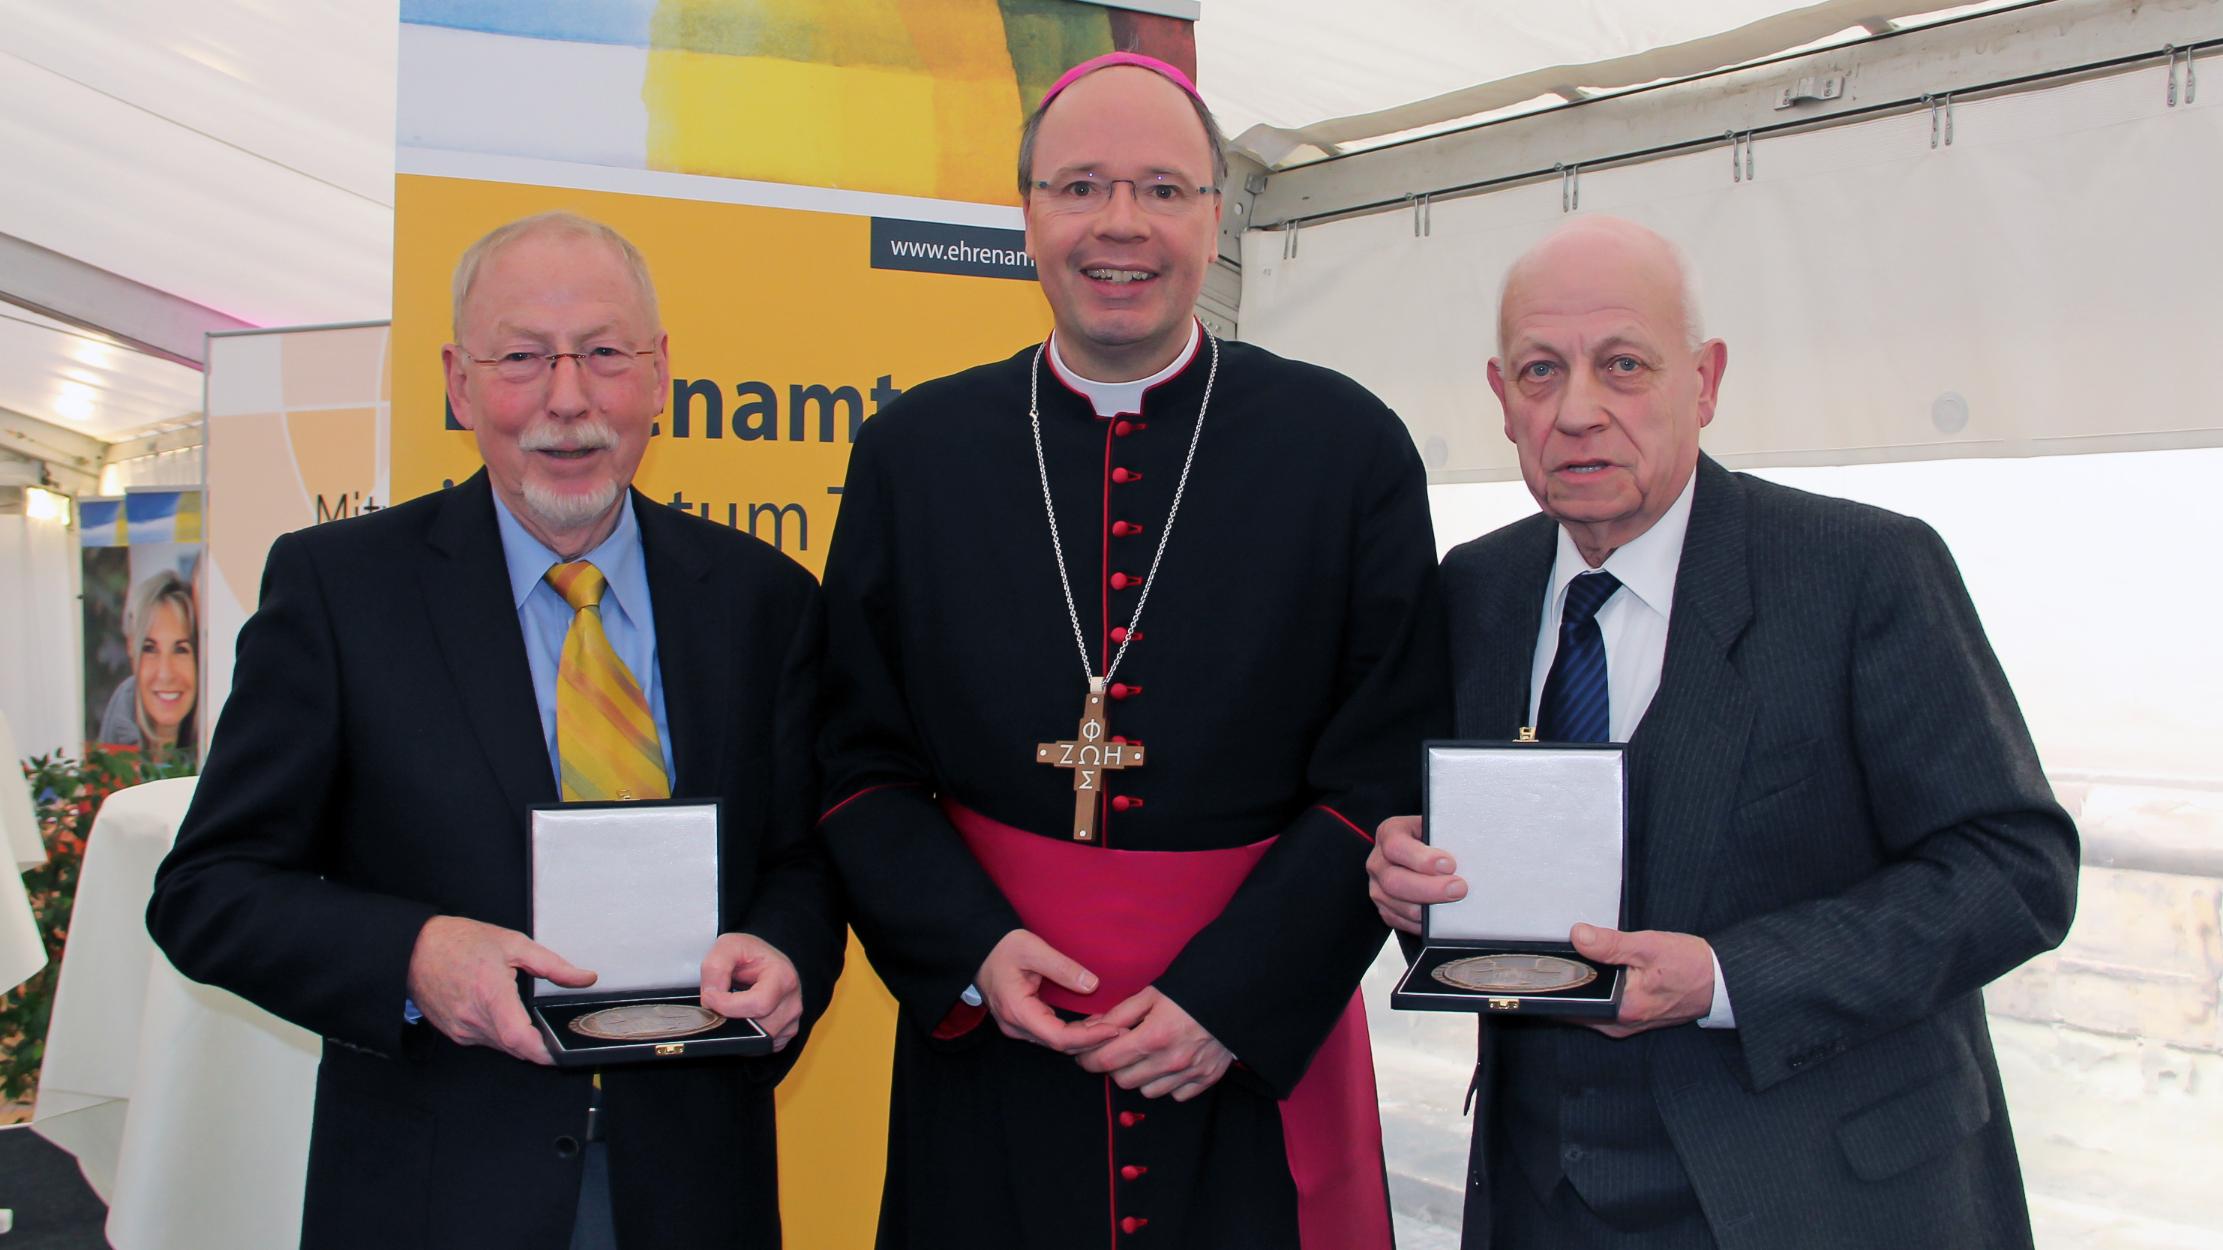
pixel 1125 529
pixel 1121 581
pixel 1121 429
pixel 1132 1224
pixel 1121 690
pixel 1129 1119
pixel 1131 1172
pixel 1125 475
pixel 1119 634
pixel 1122 803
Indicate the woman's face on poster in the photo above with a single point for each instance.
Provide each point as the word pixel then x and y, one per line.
pixel 168 677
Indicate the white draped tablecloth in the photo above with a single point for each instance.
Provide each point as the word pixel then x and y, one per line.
pixel 21 953
pixel 19 819
pixel 187 1108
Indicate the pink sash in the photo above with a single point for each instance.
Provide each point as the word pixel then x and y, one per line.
pixel 1124 915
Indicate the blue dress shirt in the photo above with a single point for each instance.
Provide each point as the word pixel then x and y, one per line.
pixel 627 617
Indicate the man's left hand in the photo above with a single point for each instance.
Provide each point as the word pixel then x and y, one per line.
pixel 769 992
pixel 1164 1050
pixel 1670 976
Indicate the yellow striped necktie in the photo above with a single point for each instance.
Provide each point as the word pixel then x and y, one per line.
pixel 606 739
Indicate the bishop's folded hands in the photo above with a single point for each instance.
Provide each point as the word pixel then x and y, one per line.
pixel 1010 984
pixel 1160 1050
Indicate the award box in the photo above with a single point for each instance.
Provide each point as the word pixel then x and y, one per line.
pixel 631 892
pixel 1540 833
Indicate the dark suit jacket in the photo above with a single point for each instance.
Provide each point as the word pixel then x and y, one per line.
pixel 373 768
pixel 1835 788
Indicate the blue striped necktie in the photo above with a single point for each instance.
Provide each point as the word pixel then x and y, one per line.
pixel 1575 707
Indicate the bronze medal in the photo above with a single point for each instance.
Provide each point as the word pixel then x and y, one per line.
pixel 1515 974
pixel 646 1022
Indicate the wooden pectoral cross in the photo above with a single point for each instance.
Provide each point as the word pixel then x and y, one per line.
pixel 1089 755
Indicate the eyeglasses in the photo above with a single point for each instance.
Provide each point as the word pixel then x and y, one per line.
pixel 521 367
pixel 1159 196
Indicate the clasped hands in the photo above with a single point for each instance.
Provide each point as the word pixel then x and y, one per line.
pixel 463 977
pixel 1145 1043
pixel 1670 975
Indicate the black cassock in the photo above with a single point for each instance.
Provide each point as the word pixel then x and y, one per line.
pixel 1288 666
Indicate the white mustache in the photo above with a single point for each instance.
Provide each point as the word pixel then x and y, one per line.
pixel 585 434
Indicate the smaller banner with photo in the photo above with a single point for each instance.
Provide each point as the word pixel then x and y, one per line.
pixel 142 564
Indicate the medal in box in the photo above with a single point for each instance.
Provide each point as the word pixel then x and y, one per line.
pixel 631 892
pixel 1540 833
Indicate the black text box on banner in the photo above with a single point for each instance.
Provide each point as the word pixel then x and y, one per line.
pixel 936 247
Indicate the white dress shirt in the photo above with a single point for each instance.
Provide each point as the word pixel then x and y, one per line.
pixel 1633 623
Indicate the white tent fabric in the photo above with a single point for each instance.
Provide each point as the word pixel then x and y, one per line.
pixel 85 382
pixel 39 670
pixel 239 153
pixel 1960 309
pixel 235 153
pixel 1400 71
pixel 182 467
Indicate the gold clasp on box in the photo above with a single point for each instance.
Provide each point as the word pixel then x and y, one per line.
pixel 1505 1004
pixel 667 1049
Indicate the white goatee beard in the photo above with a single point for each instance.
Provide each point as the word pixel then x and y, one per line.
pixel 557 510
pixel 562 510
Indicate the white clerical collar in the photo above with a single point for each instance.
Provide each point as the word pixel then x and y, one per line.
pixel 1645 564
pixel 1116 399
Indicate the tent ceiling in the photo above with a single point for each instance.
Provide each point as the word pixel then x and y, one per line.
pixel 235 154
pixel 238 154
pixel 1422 66
pixel 84 382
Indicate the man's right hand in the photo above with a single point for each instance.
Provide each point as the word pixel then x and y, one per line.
pixel 463 977
pixel 1010 985
pixel 1404 874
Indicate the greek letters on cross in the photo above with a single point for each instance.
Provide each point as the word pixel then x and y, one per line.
pixel 1090 756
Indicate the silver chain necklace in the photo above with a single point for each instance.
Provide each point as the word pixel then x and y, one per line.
pixel 1057 545
pixel 1089 753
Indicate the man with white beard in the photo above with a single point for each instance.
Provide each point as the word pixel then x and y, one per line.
pixel 413 682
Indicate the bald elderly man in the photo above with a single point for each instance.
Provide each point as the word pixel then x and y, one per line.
pixel 1838 828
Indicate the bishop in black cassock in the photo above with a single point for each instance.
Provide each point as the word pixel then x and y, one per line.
pixel 1102 791
pixel 1287 668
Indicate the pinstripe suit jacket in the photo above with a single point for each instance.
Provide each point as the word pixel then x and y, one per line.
pixel 1835 788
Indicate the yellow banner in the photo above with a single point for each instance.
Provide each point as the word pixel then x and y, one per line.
pixel 825 193
pixel 783 341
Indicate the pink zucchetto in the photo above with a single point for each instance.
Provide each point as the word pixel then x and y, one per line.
pixel 1163 69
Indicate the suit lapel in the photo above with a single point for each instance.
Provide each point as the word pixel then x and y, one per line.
pixel 1687 755
pixel 466 587
pixel 695 634
pixel 1495 613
